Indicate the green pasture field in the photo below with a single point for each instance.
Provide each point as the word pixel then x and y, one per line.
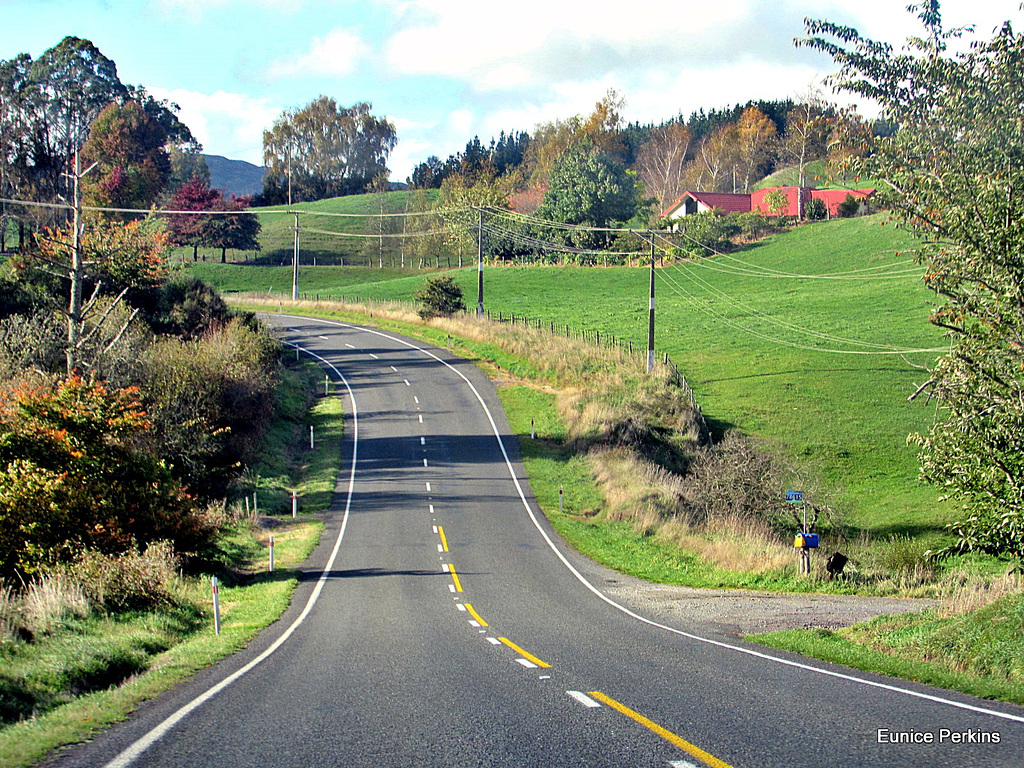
pixel 360 217
pixel 748 339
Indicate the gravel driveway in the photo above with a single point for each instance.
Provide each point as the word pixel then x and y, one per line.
pixel 729 612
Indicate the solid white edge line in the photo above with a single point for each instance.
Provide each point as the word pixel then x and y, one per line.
pixel 134 750
pixel 582 579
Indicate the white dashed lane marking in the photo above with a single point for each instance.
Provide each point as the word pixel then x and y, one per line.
pixel 583 699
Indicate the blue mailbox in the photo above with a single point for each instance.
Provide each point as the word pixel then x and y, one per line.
pixel 806 541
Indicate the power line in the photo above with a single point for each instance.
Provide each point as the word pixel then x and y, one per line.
pixel 255 212
pixel 756 270
pixel 704 306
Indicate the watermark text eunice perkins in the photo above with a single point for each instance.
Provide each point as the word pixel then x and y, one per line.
pixel 941 736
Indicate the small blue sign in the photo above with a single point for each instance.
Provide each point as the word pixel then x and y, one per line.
pixel 795 496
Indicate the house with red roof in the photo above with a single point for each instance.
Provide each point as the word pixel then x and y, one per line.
pixel 797 198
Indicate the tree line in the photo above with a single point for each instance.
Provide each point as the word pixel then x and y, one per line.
pixel 720 150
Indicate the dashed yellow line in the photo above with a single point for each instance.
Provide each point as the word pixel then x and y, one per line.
pixel 455 578
pixel 475 615
pixel 524 654
pixel 666 734
pixel 444 539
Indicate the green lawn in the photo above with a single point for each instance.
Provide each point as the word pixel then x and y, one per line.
pixel 740 340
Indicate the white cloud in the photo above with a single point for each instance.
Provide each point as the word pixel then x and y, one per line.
pixel 460 121
pixel 407 154
pixel 194 9
pixel 537 40
pixel 336 54
pixel 229 124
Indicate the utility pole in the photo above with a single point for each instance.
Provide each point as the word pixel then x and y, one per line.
pixel 650 320
pixel 289 155
pixel 76 311
pixel 295 261
pixel 479 262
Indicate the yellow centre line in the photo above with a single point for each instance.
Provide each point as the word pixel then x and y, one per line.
pixel 524 654
pixel 475 615
pixel 666 734
pixel 455 578
pixel 444 539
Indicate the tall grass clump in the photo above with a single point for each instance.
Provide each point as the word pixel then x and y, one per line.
pixel 131 581
pixel 51 600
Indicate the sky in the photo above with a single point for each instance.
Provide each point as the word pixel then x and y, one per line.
pixel 444 71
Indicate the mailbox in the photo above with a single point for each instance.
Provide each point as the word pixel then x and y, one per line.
pixel 806 541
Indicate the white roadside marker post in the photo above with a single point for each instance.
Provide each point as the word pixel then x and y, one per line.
pixel 271 562
pixel 216 604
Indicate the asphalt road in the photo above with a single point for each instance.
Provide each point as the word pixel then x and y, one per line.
pixel 443 623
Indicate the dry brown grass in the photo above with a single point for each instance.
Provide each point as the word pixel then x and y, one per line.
pixel 50 600
pixel 732 544
pixel 966 592
pixel 11 616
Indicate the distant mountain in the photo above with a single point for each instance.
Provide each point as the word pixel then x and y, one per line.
pixel 234 177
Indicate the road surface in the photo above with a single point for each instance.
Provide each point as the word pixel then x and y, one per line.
pixel 443 623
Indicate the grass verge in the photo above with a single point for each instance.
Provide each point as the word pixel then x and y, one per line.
pixel 978 651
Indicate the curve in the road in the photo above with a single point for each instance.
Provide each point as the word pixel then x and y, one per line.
pixel 583 580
